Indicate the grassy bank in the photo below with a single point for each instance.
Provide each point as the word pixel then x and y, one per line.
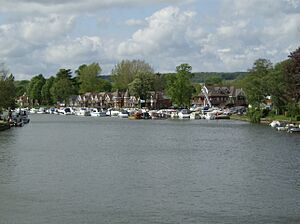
pixel 239 117
pixel 265 120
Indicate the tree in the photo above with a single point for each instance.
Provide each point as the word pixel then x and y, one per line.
pixel 292 76
pixel 179 86
pixel 213 80
pixel 105 85
pixel 254 83
pixel 46 93
pixel 159 82
pixel 7 88
pixel 21 87
pixel 88 77
pixel 35 88
pixel 142 84
pixel 276 86
pixel 126 71
pixel 63 87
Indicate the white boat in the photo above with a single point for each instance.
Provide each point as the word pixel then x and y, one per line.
pixel 294 129
pixel 194 115
pixel 95 112
pixel 123 114
pixel 282 128
pixel 184 114
pixel 66 111
pixel 215 114
pixel 210 116
pixel 153 114
pixel 174 114
pixel 33 111
pixel 41 110
pixel 274 124
pixel 82 112
pixel 113 113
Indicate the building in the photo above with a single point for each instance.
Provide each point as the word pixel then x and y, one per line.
pixel 119 99
pixel 222 96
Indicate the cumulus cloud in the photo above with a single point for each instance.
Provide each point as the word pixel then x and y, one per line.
pixel 74 51
pixel 227 41
pixel 165 30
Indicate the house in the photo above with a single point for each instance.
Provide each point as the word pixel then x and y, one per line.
pixel 222 96
pixel 23 101
pixel 119 99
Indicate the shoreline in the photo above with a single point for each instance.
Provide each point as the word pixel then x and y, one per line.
pixel 4 126
pixel 264 121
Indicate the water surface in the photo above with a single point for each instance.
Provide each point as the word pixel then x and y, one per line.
pixel 67 169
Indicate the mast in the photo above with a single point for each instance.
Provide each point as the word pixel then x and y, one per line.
pixel 205 92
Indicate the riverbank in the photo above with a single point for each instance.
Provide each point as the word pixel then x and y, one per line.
pixel 4 126
pixel 266 120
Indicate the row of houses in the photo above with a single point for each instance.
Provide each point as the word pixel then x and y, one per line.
pixel 120 99
pixel 219 96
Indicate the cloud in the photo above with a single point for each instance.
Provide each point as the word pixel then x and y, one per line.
pixel 74 51
pixel 134 22
pixel 20 38
pixel 75 6
pixel 49 37
pixel 165 30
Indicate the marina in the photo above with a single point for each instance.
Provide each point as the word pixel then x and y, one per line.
pixel 20 115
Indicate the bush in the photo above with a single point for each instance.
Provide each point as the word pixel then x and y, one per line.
pixel 292 109
pixel 297 117
pixel 254 115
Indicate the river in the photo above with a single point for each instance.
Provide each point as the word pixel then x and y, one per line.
pixel 73 170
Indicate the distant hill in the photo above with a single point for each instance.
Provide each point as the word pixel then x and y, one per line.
pixel 202 76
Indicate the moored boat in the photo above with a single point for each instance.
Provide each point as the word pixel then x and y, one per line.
pixel 123 114
pixel 184 114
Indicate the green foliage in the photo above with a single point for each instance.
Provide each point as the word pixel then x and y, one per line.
pixel 197 88
pixel 105 85
pixel 254 84
pixel 293 109
pixel 7 90
pixel 276 86
pixel 63 86
pixel 21 87
pixel 213 80
pixel 201 77
pixel 88 78
pixel 292 76
pixel 179 86
pixel 46 93
pixel 254 114
pixel 142 84
pixel 35 88
pixel 126 71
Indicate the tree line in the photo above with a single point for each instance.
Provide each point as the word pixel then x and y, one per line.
pixel 279 82
pixel 137 76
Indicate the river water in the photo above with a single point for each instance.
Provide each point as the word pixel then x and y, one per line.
pixel 67 169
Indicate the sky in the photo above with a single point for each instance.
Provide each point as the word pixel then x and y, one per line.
pixel 42 36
